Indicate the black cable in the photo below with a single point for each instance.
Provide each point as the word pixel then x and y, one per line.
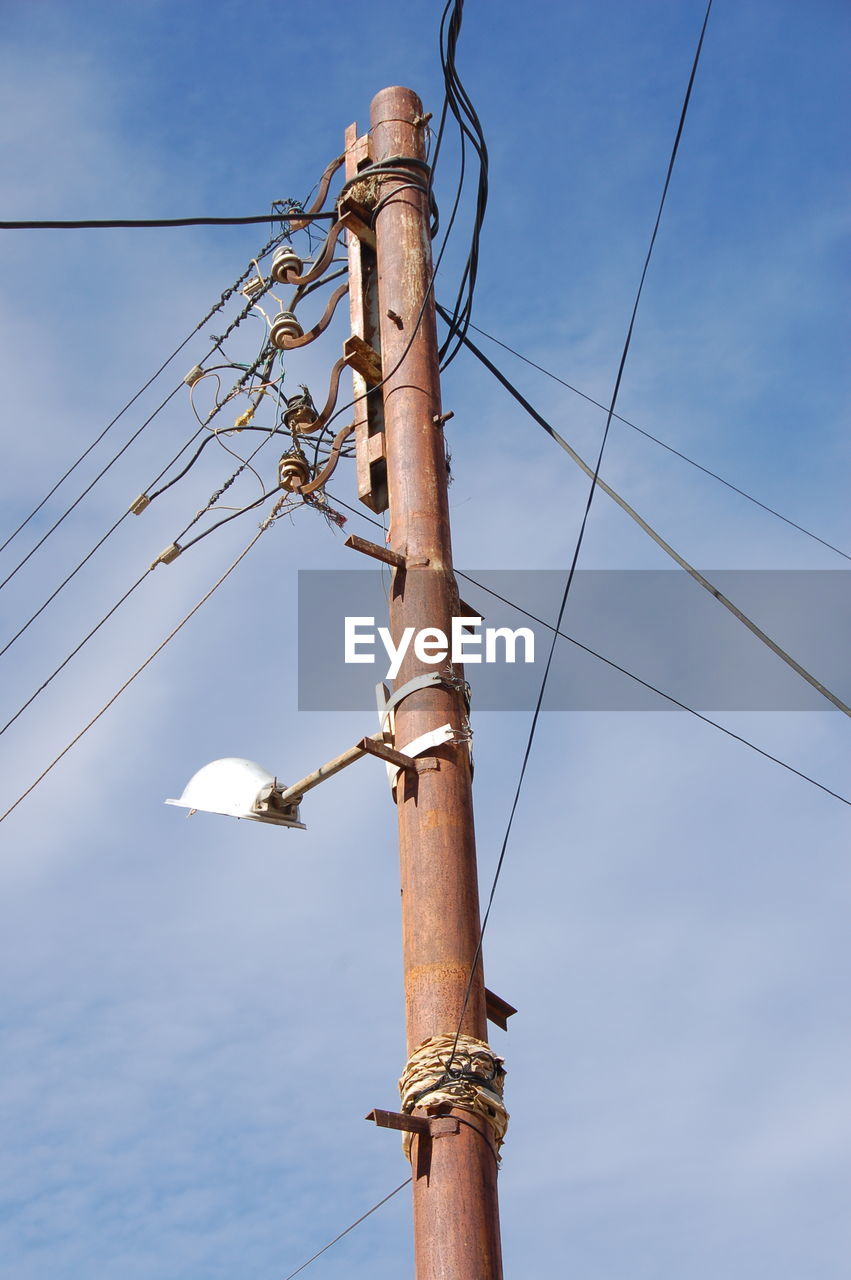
pixel 458 102
pixel 251 506
pixel 103 223
pixel 210 439
pixel 691 461
pixel 653 689
pixel 572 571
pixel 682 706
pixel 652 533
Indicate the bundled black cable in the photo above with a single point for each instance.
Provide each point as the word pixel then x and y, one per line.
pixel 458 102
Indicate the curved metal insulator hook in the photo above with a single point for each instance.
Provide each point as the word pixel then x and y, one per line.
pixel 298 224
pixel 290 344
pixel 333 458
pixel 333 389
pixel 324 258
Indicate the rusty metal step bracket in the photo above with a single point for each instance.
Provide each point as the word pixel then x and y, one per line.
pixel 354 217
pixel 395 558
pixel 498 1010
pixel 363 358
pixel 426 1126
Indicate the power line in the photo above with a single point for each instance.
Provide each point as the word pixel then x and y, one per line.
pixel 263 527
pixel 98 224
pixel 241 382
pixel 214 498
pixel 225 297
pixel 248 373
pixel 657 537
pixel 582 527
pixel 670 448
pixel 88 489
pixel 356 1223
pixel 652 688
pixel 457 100
pixel 682 706
pixel 281 210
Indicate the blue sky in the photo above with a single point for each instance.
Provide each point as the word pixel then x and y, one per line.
pixel 196 1015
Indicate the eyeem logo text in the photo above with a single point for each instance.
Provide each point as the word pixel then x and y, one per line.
pixel 431 645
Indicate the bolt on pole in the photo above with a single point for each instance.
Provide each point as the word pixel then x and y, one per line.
pixel 456 1217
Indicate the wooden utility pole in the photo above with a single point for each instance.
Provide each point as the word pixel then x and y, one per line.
pixel 453 1152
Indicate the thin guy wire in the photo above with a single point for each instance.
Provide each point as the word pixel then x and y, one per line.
pixel 357 1223
pixel 225 297
pixel 698 577
pixel 623 670
pixel 663 444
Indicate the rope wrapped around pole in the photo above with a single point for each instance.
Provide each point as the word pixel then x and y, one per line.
pixel 470 1078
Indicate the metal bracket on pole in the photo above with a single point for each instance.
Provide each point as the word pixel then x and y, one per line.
pixel 363 358
pixel 351 217
pixel 377 552
pixel 374 746
pixel 498 1010
pixel 425 681
pixel 426 1126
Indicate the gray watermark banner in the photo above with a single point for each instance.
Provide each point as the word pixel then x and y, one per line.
pixel 658 625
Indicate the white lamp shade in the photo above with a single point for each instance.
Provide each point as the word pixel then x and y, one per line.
pixel 239 789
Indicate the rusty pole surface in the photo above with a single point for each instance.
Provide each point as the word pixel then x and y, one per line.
pixel 456 1217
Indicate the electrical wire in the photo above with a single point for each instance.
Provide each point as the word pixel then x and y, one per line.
pixel 198 515
pixel 653 689
pixel 202 446
pixel 247 374
pixel 682 706
pixel 240 511
pixel 457 101
pixel 86 558
pixel 98 224
pixel 294 207
pixel 224 298
pixel 670 448
pixel 263 527
pixel 572 571
pixel 234 324
pixel 698 577
pixel 88 489
pixel 356 1223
